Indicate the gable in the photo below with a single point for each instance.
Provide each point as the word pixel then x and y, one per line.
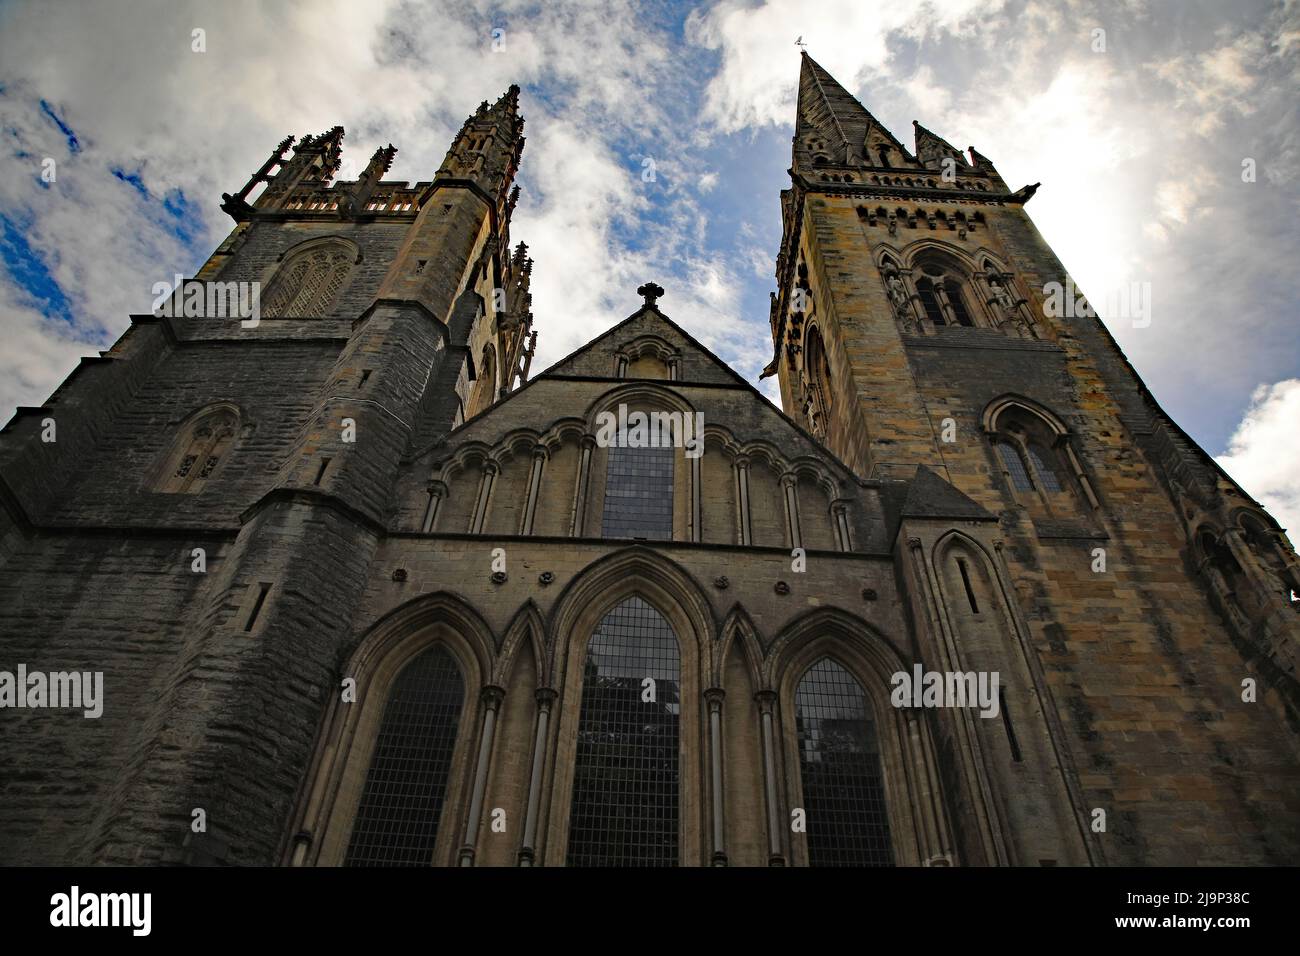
pixel 649 342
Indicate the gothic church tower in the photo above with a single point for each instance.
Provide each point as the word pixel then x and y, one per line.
pixel 913 331
pixel 389 312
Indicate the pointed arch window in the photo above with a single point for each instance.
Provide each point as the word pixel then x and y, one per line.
pixel 199 451
pixel 626 778
pixel 840 769
pixel 406 785
pixel 942 287
pixel 819 396
pixel 308 283
pixel 1033 450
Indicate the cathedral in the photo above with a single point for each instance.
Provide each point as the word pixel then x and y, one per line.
pixel 352 584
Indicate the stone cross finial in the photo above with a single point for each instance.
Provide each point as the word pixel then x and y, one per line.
pixel 651 292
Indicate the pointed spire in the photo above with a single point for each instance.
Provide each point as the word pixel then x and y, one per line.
pixel 833 128
pixel 237 205
pixel 488 147
pixel 326 153
pixel 931 148
pixel 353 200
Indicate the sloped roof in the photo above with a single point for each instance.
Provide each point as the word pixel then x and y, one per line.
pixel 929 496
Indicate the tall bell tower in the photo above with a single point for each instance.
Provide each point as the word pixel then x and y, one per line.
pixel 919 330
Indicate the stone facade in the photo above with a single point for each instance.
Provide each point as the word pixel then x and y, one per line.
pixel 257 531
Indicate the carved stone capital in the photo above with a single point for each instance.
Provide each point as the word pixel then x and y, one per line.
pixel 545 697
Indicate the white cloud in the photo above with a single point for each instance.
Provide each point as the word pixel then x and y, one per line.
pixel 126 80
pixel 1263 454
pixel 759 77
pixel 47 355
pixel 1117 140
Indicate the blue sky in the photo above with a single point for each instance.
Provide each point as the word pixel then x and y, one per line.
pixel 1139 148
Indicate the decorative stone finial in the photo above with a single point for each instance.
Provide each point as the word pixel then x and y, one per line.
pixel 651 292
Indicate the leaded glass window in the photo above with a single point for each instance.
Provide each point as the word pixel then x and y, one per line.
pixel 406 785
pixel 626 772
pixel 957 303
pixel 306 285
pixel 930 301
pixel 1015 467
pixel 639 492
pixel 1046 474
pixel 839 760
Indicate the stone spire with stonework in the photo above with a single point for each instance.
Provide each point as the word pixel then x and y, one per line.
pixel 833 129
pixel 487 149
pixel 932 149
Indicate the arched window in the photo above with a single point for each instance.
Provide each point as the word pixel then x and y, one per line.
pixel 1034 454
pixel 406 785
pixel 942 289
pixel 839 762
pixel 930 301
pixel 817 383
pixel 308 282
pixel 199 451
pixel 626 775
pixel 639 487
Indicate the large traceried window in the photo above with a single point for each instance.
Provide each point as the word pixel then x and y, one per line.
pixel 626 773
pixel 942 291
pixel 406 785
pixel 639 490
pixel 839 760
pixel 309 281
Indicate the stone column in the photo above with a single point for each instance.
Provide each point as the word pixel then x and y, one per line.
pixel 490 469
pixel 742 489
pixel 714 697
pixel 491 698
pixel 584 478
pixel 545 699
pixel 767 712
pixel 534 488
pixel 840 516
pixel 789 483
pixel 437 491
pixel 696 493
